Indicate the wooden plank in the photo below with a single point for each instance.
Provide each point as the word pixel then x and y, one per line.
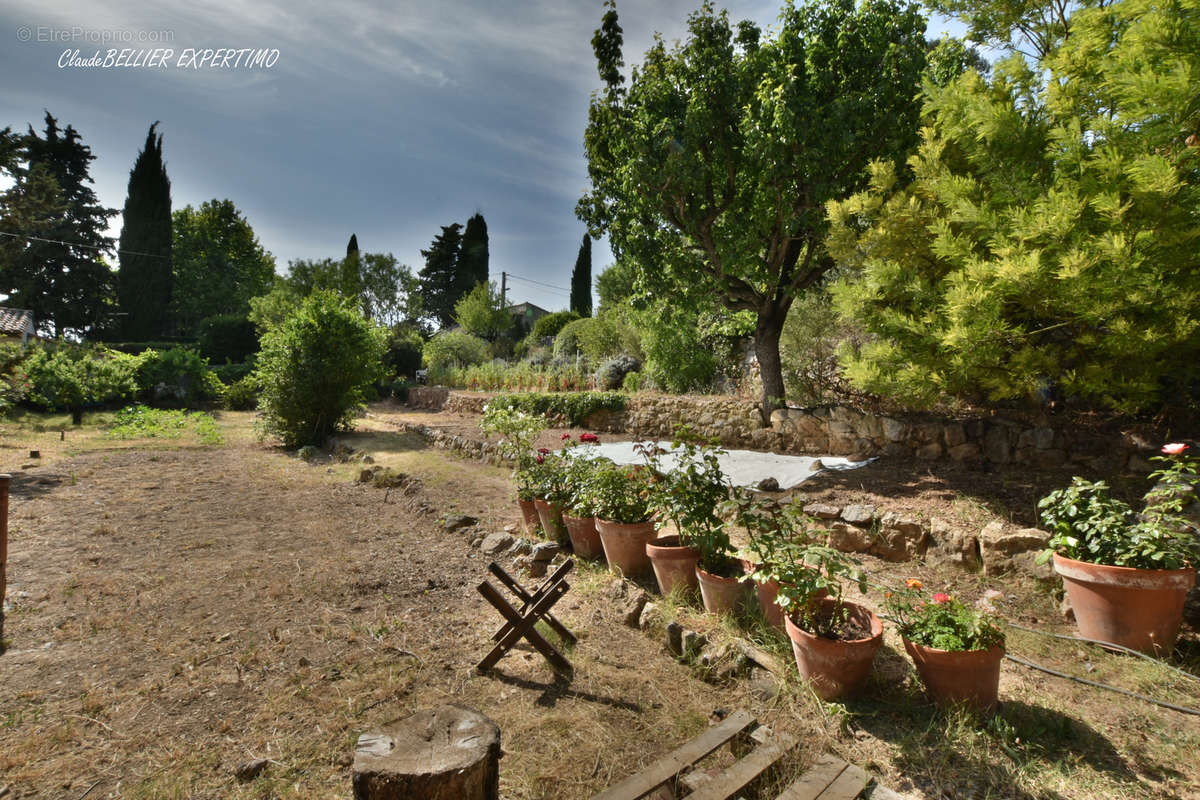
pixel 848 785
pixel 522 626
pixel 743 773
pixel 810 785
pixel 670 765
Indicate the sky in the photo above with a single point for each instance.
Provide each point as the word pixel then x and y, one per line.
pixel 388 120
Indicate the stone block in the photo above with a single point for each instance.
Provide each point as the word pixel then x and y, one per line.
pixel 965 452
pixel 858 514
pixel 1005 550
pixel 996 447
pixel 822 511
pixel 894 430
pixel 954 434
pixel 496 543
pixel 951 545
pixel 930 451
pixel 848 538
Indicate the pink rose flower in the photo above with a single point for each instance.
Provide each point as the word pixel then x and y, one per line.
pixel 941 597
pixel 1175 448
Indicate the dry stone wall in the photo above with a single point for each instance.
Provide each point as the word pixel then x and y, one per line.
pixel 846 431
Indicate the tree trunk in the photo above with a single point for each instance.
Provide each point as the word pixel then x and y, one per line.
pixel 766 347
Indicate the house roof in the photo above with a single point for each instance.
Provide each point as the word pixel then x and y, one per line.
pixel 526 307
pixel 15 321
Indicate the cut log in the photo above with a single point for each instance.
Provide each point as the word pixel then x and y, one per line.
pixel 447 753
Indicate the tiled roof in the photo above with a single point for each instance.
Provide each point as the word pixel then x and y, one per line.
pixel 15 321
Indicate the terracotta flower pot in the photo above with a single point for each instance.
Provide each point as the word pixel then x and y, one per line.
pixel 767 592
pixel 959 677
pixel 585 539
pixel 722 595
pixel 552 520
pixel 1136 608
pixel 530 522
pixel 834 668
pixel 674 563
pixel 625 545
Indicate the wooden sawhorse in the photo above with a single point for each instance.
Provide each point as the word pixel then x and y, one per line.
pixel 519 624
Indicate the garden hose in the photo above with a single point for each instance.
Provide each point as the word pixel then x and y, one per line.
pixel 1025 663
pixel 1102 643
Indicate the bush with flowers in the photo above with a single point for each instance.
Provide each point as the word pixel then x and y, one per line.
pixel 1087 524
pixel 939 620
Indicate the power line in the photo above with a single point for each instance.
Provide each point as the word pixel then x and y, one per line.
pixel 539 283
pixel 30 238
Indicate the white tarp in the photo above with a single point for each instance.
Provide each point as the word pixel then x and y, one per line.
pixel 742 467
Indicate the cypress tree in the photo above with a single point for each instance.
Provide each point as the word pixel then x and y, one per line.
pixel 144 280
pixel 439 277
pixel 581 279
pixel 473 260
pixel 352 246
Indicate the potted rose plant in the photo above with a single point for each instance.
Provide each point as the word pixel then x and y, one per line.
pixel 518 432
pixel 579 508
pixel 689 494
pixel 1127 575
pixel 957 650
pixel 833 640
pixel 548 478
pixel 620 496
pixel 775 535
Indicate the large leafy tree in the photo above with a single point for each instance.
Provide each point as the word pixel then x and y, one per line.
pixel 711 171
pixel 1048 241
pixel 219 263
pixel 145 273
pixel 581 279
pixel 440 289
pixel 56 267
pixel 384 289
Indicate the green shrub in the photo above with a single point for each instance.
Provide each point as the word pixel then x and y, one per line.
pixel 178 375
pixel 454 349
pixel 71 377
pixel 227 338
pixel 403 354
pixel 314 369
pixel 632 382
pixel 596 339
pixel 14 381
pixel 549 325
pixel 229 374
pixel 808 349
pixel 242 394
pixel 399 389
pixel 570 407
pixel 611 374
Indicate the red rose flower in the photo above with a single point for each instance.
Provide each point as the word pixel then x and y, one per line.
pixel 941 597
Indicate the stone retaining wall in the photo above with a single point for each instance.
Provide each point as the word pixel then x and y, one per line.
pixel 845 431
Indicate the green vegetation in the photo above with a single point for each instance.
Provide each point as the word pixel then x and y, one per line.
pixel 571 407
pixel 454 349
pixel 145 277
pixel 314 370
pixel 138 421
pixel 1046 244
pixel 689 165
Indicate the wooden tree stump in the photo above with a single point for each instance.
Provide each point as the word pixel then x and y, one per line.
pixel 447 753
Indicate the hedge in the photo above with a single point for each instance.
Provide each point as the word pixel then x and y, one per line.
pixel 573 407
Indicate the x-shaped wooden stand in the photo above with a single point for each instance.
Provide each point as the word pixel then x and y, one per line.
pixel 519 624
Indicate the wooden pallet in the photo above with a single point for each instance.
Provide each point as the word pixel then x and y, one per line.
pixel 672 775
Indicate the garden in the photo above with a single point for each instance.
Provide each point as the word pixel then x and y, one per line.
pixel 966 299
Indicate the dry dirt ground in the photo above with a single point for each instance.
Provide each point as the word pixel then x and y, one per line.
pixel 177 610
